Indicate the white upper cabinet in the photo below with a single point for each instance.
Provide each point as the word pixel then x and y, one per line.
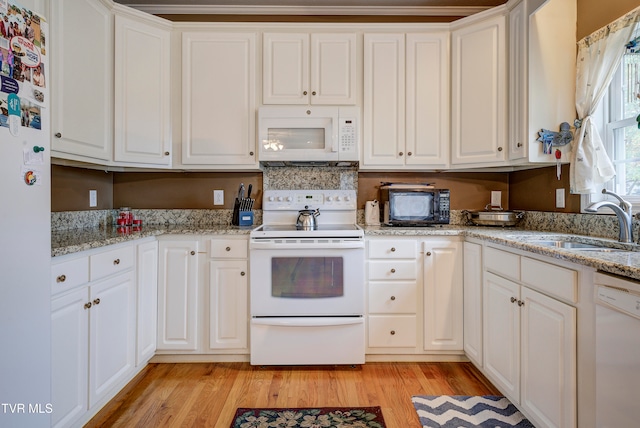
pixel 142 96
pixel 542 64
pixel 219 99
pixel 479 91
pixel 406 100
pixel 301 68
pixel 82 80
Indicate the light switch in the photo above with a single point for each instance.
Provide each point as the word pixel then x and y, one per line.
pixel 559 198
pixel 218 197
pixel 93 198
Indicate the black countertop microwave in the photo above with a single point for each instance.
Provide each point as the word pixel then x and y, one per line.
pixel 413 204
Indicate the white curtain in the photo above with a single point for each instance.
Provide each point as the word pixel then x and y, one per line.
pixel 598 57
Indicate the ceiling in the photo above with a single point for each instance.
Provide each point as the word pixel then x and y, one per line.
pixel 315 7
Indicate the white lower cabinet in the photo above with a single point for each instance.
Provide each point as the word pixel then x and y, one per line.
pixel 147 301
pixel 443 302
pixel 529 341
pixel 178 294
pixel 472 311
pixel 93 331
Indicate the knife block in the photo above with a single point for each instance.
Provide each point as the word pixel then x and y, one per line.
pixel 235 217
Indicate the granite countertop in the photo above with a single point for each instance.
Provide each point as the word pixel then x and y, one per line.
pixel 625 263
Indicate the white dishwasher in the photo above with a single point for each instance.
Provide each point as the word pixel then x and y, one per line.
pixel 617 352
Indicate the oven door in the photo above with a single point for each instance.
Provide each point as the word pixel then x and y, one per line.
pixel 299 279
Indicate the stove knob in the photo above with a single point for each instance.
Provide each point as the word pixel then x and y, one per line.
pixel 330 198
pixel 337 198
pixel 347 198
pixel 271 198
pixel 289 199
pixel 279 198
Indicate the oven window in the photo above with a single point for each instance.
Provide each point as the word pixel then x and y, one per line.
pixel 307 277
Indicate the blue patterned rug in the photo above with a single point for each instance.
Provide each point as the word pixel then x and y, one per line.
pixel 479 411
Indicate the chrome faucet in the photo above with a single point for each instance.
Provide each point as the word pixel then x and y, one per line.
pixel 622 211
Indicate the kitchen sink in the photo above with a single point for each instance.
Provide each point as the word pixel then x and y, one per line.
pixel 572 245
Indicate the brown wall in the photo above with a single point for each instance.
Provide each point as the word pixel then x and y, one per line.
pixel 594 14
pixel 468 190
pixel 535 190
pixel 70 188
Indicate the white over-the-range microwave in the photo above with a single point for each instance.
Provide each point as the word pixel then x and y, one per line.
pixel 308 134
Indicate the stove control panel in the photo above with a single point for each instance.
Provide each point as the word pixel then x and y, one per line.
pixel 287 200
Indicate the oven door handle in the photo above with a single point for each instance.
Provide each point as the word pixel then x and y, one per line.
pixel 307 321
pixel 257 245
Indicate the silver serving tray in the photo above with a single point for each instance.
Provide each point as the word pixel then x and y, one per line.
pixel 494 218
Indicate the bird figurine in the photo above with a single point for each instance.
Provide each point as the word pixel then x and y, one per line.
pixel 551 138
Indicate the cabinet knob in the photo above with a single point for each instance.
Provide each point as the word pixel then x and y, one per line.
pixel 513 300
pixel 96 301
pixel 57 135
pixel 499 149
pixel 250 153
pixel 393 249
pixel 116 262
pixel 313 93
pixel 428 253
pixel 228 249
pixel 87 305
pixel 193 253
pixel 393 271
pixel 401 154
pixel 242 273
pixel 392 332
pixel 519 145
pixel 409 153
pixel 308 111
pixel 304 93
pixel 520 303
pixel 393 297
pixel 61 278
pixel 166 153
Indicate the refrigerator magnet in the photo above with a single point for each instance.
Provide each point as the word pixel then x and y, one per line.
pixel 14 114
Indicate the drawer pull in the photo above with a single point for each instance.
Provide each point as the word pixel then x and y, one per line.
pixel 228 248
pixel 116 262
pixel 96 301
pixel 513 300
pixel 166 153
pixel 392 332
pixel 393 297
pixel 87 305
pixel 393 271
pixel 428 253
pixel 242 273
pixel 393 249
pixel 58 135
pixel 61 278
pixel 193 253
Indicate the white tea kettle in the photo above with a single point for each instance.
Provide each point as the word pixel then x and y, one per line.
pixel 307 219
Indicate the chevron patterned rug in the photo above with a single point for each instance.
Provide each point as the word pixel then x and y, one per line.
pixel 454 411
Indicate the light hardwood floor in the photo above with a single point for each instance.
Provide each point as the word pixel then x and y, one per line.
pixel 207 394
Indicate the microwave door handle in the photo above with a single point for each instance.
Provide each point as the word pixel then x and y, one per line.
pixel 335 140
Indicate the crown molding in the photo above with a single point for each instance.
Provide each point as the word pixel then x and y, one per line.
pixel 178 9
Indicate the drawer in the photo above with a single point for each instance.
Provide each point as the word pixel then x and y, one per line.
pixel 393 269
pixel 502 262
pixel 552 280
pixel 393 298
pixel 386 331
pixel 228 248
pixel 393 249
pixel 69 274
pixel 110 262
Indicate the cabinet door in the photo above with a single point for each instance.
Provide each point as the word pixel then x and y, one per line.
pixel 501 330
pixel 286 68
pixel 228 304
pixel 177 295
pixel 333 69
pixel 142 102
pixel 69 357
pixel 112 334
pixel 147 301
pixel 479 92
pixel 548 391
pixel 443 306
pixel 218 99
pixel 518 60
pixel 384 100
pixel 82 75
pixel 427 110
pixel 472 274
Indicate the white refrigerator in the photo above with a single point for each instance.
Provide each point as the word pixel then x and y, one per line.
pixel 25 220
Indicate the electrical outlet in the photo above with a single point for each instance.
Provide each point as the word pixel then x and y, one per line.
pixel 93 198
pixel 496 198
pixel 559 198
pixel 218 197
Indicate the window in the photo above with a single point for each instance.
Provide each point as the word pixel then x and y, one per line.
pixel 618 112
